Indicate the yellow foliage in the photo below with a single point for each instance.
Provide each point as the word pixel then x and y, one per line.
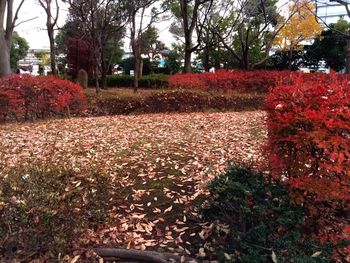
pixel 301 26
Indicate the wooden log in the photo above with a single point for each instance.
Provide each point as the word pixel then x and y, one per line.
pixel 143 256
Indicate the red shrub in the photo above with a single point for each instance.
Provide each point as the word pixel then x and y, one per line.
pixel 187 81
pixel 25 97
pixel 243 81
pixel 309 136
pixel 309 148
pixel 260 81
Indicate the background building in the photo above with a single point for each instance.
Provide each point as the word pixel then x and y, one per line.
pixel 330 11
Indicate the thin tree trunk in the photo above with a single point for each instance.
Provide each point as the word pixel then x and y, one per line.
pixel 206 59
pixel 103 80
pixel 97 82
pixel 137 72
pixel 104 69
pixel 5 67
pixel 290 59
pixel 50 32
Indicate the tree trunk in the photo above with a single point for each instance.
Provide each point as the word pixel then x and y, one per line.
pixel 5 67
pixel 50 32
pixel 245 60
pixel 188 66
pixel 103 79
pixel 97 82
pixel 138 71
pixel 104 69
pixel 206 59
pixel 290 55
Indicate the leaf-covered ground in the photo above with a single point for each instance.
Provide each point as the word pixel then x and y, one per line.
pixel 147 173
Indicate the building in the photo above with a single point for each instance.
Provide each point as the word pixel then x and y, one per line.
pixel 329 11
pixel 30 64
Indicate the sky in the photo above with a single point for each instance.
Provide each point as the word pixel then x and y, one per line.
pixel 36 35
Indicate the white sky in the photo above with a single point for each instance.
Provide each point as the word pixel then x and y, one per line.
pixel 35 33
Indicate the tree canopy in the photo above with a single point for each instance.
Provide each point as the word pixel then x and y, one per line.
pixel 19 49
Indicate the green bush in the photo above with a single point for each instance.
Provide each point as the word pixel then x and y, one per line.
pixel 120 81
pixel 153 81
pixel 264 225
pixel 129 64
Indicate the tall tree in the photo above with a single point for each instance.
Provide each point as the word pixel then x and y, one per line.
pixel 191 16
pixel 301 27
pixel 139 11
pixel 8 14
pixel 100 21
pixel 51 23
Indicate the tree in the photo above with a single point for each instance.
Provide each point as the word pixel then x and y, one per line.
pixel 347 48
pixel 8 14
pixel 301 27
pixel 44 60
pixel 128 64
pixel 138 26
pixel 247 29
pixel 79 56
pixel 173 60
pixel 51 22
pixel 19 49
pixel 151 46
pixel 191 16
pixel 330 46
pixel 64 39
pixel 101 23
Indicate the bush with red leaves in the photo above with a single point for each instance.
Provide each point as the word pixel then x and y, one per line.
pixel 260 81
pixel 243 81
pixel 309 136
pixel 24 97
pixel 309 148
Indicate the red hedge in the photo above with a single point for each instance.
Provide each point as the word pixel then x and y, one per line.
pixel 309 135
pixel 242 81
pixel 26 97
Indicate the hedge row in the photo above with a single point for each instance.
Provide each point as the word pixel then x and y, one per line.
pixel 153 81
pixel 175 101
pixel 242 81
pixel 24 97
